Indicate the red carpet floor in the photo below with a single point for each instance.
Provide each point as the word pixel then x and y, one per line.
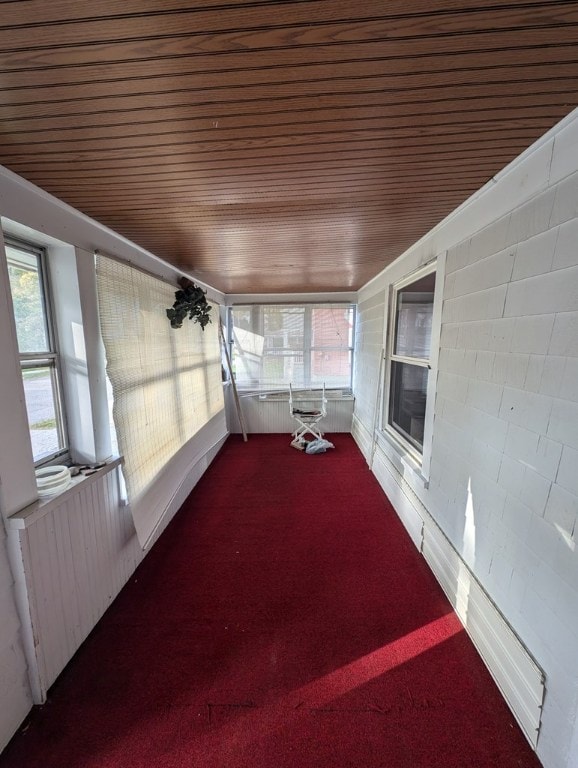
pixel 283 620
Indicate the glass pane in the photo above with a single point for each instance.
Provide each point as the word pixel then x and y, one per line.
pixel 331 367
pixel 408 389
pixel 332 327
pixel 413 319
pixel 42 411
pixel 26 289
pixel 280 369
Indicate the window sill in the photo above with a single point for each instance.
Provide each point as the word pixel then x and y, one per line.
pixel 401 458
pixel 38 509
pixel 275 397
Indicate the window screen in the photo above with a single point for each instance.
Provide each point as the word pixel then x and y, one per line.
pixel 305 345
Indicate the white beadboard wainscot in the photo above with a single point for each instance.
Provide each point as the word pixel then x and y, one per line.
pixel 71 555
pixel 269 413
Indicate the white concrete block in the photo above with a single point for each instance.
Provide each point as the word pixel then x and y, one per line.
pixel 485 395
pixel 469 363
pixel 532 334
pixel 449 285
pixel 487 461
pixel 474 336
pixel 526 409
pixel 534 451
pixel 487 494
pixel 566 201
pixel 544 294
pixel 517 590
pixel 567 475
pixel 566 252
pixel 486 273
pixel 511 476
pixel 568 387
pixel 532 218
pixel 488 429
pixel 450 359
pixel 458 256
pixel 500 570
pixel 521 442
pixel 502 333
pixel 483 305
pixel 561 511
pixel 561 597
pixel 449 335
pixel 534 373
pixel 454 412
pixel 552 375
pixel 489 240
pixel 510 369
pixel 565 153
pixel 564 339
pixel 563 425
pixel 535 491
pixel 534 256
pixel 485 365
pixel 452 386
pixel 542 539
pixel 517 517
pixel 543 457
pixel 567 556
pixel 545 374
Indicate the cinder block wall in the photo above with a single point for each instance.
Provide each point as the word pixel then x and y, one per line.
pixel 506 410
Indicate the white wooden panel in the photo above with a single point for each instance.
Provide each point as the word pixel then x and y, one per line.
pixel 72 555
pixel 407 512
pixel 271 415
pixel 73 569
pixel 362 437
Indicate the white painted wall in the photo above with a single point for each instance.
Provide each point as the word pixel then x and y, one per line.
pixel 27 211
pixel 503 485
pixel 271 413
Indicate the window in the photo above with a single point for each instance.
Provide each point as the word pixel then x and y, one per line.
pixel 307 345
pixel 409 359
pixel 36 344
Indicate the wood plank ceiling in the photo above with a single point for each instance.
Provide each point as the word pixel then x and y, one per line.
pixel 278 146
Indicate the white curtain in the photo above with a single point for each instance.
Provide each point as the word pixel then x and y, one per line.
pixel 166 385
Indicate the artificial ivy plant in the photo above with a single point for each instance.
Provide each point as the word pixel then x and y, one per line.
pixel 190 300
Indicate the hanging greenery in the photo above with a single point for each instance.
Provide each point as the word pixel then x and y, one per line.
pixel 190 301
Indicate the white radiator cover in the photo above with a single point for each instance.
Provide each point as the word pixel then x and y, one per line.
pixel 70 556
pixel 517 675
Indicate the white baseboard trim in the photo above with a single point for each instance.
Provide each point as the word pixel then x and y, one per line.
pixel 407 512
pixel 518 677
pixel 362 437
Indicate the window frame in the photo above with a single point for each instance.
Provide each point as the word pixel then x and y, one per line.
pixel 419 459
pixel 50 357
pixel 307 348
